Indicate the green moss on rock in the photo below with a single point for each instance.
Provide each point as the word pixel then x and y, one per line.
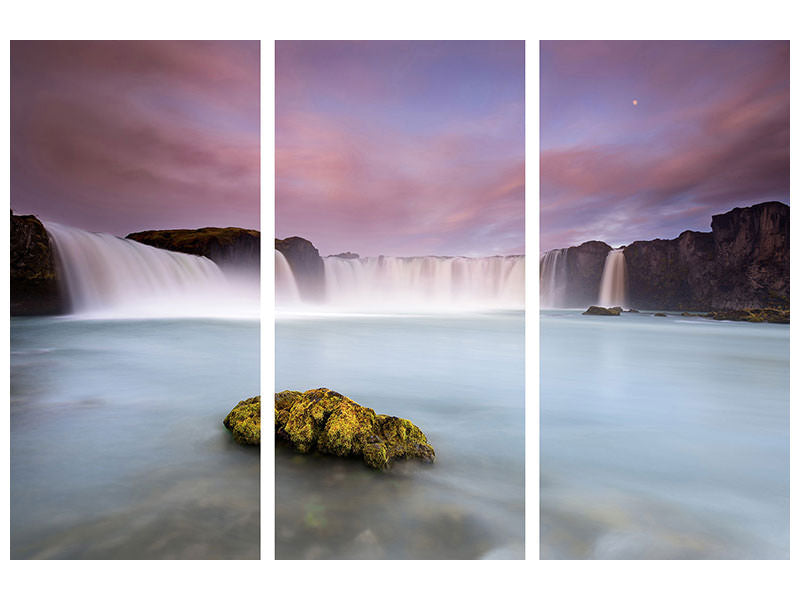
pixel 330 423
pixel 752 315
pixel 244 421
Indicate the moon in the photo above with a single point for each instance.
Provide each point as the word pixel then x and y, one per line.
pixel 635 102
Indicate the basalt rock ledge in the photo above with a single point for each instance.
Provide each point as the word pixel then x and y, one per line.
pixel 34 279
pixel 229 247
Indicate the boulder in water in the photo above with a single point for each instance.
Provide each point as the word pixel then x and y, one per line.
pixel 659 315
pixel 244 421
pixel 600 311
pixel 330 423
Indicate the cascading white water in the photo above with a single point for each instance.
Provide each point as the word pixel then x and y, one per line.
pixel 107 276
pixel 424 283
pixel 613 285
pixel 286 292
pixel 553 279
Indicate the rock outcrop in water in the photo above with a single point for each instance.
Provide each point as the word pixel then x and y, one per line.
pixel 765 315
pixel 244 422
pixel 226 246
pixel 307 266
pixel 742 263
pixel 34 281
pixel 603 312
pixel 330 423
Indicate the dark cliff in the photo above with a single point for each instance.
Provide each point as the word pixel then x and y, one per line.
pixel 307 266
pixel 752 257
pixel 742 263
pixel 229 247
pixel 585 268
pixel 671 274
pixel 34 281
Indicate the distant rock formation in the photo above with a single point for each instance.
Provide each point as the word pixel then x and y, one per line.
pixel 765 315
pixel 671 274
pixel 600 311
pixel 34 281
pixel 752 257
pixel 307 267
pixel 348 255
pixel 742 263
pixel 585 268
pixel 229 247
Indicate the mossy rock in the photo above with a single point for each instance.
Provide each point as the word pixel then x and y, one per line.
pixel 752 315
pixel 327 422
pixel 244 421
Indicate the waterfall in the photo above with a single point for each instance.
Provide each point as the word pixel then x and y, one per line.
pixel 286 292
pixel 613 285
pixel 553 279
pixel 428 283
pixel 106 276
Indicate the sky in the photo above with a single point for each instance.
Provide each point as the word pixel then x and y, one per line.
pixel 641 140
pixel 126 136
pixel 401 148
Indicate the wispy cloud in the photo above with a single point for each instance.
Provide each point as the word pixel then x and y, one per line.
pixel 717 138
pixel 384 152
pixel 119 136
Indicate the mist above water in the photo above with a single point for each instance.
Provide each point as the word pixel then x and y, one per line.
pixel 413 284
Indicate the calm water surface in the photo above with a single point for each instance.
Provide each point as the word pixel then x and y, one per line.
pixel 117 443
pixel 461 380
pixel 663 437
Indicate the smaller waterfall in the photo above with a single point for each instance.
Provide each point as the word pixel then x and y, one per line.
pixel 613 285
pixel 553 279
pixel 286 292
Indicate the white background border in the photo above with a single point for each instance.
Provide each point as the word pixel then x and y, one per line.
pixel 411 19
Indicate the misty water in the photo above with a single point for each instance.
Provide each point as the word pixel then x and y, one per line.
pixel 117 443
pixel 663 437
pixel 460 378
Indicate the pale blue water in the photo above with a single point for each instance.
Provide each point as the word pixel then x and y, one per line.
pixel 663 437
pixel 117 443
pixel 461 380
